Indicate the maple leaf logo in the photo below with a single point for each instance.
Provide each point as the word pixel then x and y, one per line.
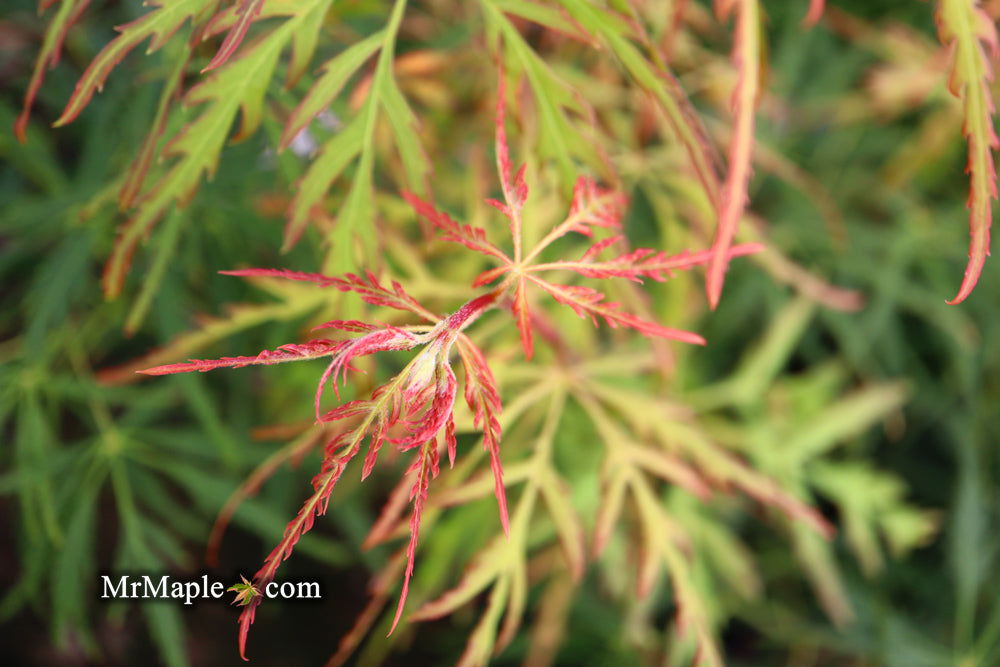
pixel 245 592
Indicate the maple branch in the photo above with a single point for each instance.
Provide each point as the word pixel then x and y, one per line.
pixel 367 287
pixel 591 205
pixel 588 302
pixel 514 192
pixel 471 237
pixel 639 263
pixel 313 349
pixel 483 399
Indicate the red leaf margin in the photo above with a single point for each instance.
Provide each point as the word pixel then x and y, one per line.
pixel 588 302
pixel 745 56
pixel 969 42
pixel 483 399
pixel 48 59
pixel 246 13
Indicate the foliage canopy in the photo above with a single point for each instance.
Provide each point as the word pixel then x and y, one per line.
pixel 350 148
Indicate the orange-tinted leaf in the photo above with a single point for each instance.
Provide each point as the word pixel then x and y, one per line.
pixel 292 352
pixel 246 13
pixel 136 175
pixel 670 469
pixel 589 303
pixel 367 287
pixel 972 36
pixel 640 263
pixel 473 238
pixel 159 24
pixel 613 485
pixel 425 468
pixel 237 318
pixel 746 58
pixel 483 399
pixel 515 191
pixel 815 12
pixel 592 206
pixel 55 34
